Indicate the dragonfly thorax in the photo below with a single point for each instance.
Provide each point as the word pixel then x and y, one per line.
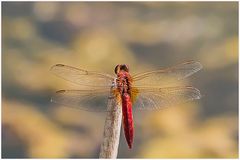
pixel 124 82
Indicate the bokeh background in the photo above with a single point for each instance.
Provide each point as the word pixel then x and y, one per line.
pixel 97 36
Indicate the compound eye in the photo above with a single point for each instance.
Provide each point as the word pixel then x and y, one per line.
pixel 125 68
pixel 117 69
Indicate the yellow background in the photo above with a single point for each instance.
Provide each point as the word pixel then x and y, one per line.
pixel 98 36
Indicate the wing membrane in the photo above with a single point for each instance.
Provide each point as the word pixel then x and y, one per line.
pixel 82 77
pixel 148 89
pixel 90 100
pixel 158 98
pixel 164 77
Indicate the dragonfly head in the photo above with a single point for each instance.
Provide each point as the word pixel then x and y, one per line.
pixel 121 67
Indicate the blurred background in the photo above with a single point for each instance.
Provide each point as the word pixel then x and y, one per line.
pixel 97 36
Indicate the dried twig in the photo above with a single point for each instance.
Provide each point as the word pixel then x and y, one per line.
pixel 112 128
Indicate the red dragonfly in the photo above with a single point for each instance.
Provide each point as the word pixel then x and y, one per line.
pixel 149 90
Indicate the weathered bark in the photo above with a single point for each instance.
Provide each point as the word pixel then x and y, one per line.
pixel 112 128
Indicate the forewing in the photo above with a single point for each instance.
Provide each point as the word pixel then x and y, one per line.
pixel 168 76
pixel 82 77
pixel 158 98
pixel 90 100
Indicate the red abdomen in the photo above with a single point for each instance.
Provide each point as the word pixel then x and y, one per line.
pixel 127 118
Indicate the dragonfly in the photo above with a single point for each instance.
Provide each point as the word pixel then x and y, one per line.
pixel 150 90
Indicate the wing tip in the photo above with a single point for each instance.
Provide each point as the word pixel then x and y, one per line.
pixel 198 65
pixel 197 94
pixel 56 65
pixel 61 91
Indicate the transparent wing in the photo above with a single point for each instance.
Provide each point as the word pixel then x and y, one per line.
pixel 157 98
pixel 82 77
pixel 164 77
pixel 90 100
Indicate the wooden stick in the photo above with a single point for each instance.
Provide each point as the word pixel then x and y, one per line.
pixel 112 128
